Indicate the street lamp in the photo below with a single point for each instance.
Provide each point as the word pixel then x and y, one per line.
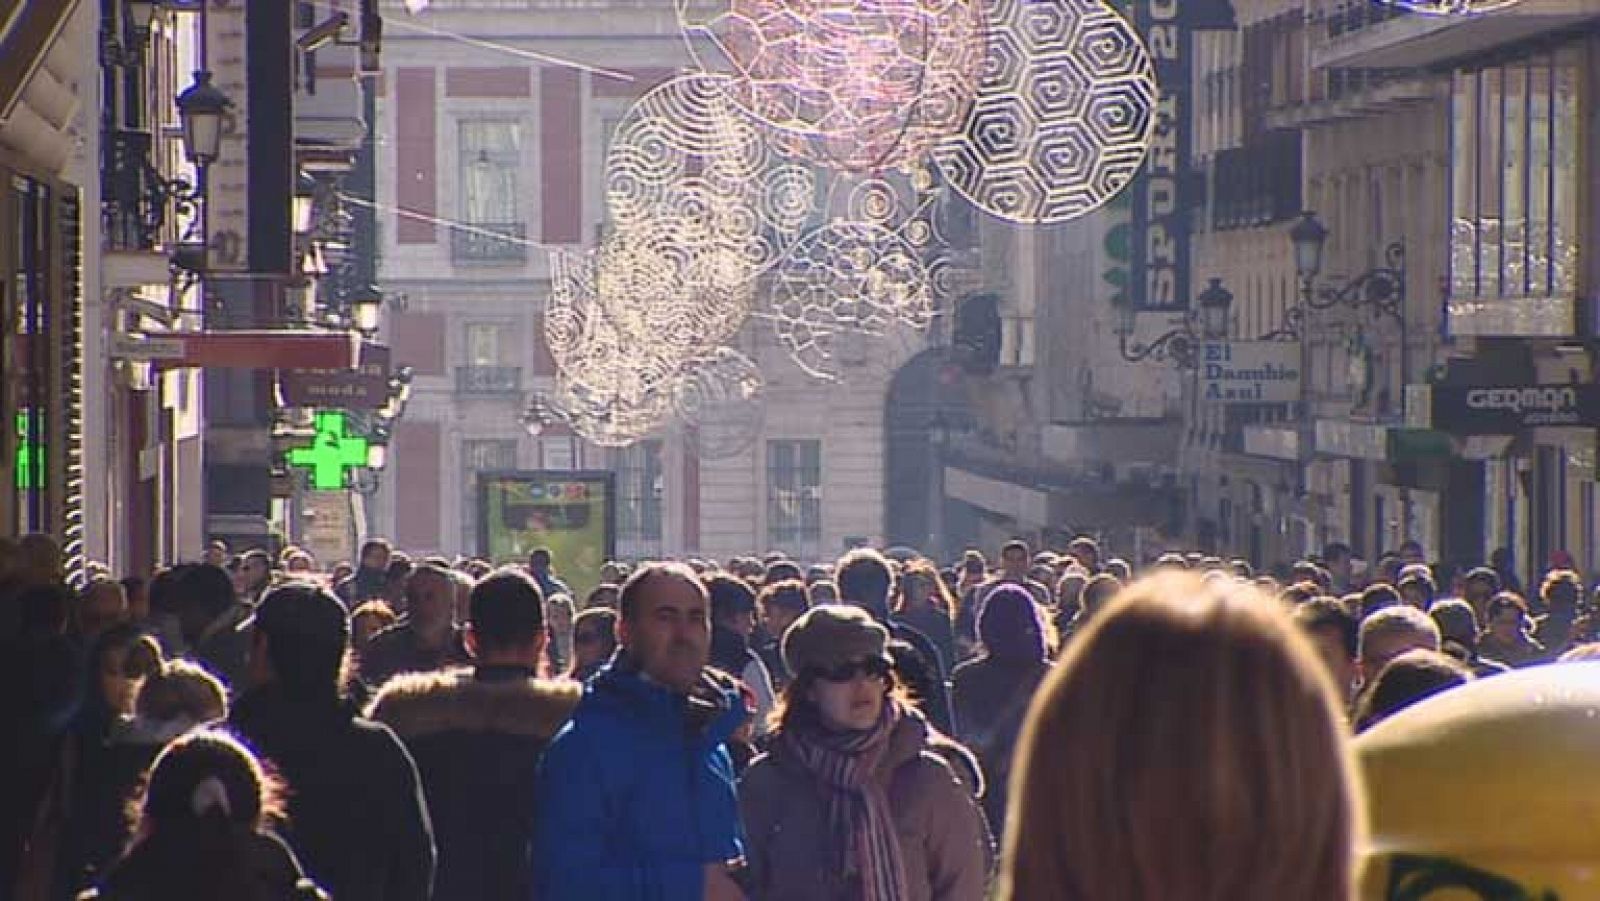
pixel 365 302
pixel 201 109
pixel 1207 322
pixel 1215 302
pixel 1309 238
pixel 140 15
pixel 1383 287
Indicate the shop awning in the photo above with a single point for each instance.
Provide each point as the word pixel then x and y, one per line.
pixel 260 349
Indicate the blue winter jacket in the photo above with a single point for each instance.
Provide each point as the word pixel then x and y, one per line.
pixel 635 798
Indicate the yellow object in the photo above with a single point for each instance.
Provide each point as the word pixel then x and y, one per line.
pixel 1487 792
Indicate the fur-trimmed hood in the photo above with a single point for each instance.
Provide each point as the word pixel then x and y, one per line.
pixel 419 704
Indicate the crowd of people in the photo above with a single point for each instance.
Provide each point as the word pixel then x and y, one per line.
pixel 1049 726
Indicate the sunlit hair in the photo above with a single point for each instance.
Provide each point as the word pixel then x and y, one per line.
pixel 1189 745
pixel 942 595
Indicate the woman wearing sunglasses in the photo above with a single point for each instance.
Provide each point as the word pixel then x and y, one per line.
pixel 855 800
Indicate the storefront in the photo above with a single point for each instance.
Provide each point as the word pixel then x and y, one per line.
pixel 41 304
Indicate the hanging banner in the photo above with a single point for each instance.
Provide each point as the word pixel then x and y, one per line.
pixel 1164 194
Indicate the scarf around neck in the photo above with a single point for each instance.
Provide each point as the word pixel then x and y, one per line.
pixel 858 807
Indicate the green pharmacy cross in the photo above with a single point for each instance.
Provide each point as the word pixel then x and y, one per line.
pixel 28 466
pixel 332 453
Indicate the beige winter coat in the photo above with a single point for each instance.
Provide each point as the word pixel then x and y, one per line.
pixel 790 847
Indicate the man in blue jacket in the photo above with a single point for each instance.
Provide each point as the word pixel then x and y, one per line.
pixel 636 794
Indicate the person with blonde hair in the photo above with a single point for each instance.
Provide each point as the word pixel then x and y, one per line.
pixel 1189 745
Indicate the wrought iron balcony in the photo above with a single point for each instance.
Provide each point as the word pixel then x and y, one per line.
pixel 133 206
pixel 489 381
pixel 490 242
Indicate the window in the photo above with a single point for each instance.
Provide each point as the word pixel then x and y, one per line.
pixel 491 157
pixel 491 160
pixel 560 452
pixel 794 497
pixel 1514 187
pixel 481 455
pixel 483 344
pixel 639 494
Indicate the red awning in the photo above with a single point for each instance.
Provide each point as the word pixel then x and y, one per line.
pixel 265 349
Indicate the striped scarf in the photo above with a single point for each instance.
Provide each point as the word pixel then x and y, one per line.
pixel 858 807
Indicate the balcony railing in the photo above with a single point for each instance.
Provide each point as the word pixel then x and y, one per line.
pixel 132 206
pixel 489 381
pixel 490 242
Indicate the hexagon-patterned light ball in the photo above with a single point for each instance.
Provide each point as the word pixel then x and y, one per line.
pixel 855 85
pixel 1064 113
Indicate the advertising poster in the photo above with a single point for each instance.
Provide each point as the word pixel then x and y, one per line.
pixel 571 513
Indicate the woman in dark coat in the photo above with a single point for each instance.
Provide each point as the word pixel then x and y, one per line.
pixel 991 694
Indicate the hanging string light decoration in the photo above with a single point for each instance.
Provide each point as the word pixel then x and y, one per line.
pixel 1063 116
pixel 855 85
pixel 1451 7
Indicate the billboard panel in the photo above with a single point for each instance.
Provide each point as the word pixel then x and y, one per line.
pixel 571 513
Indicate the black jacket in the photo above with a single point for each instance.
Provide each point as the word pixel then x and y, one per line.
pixel 156 872
pixel 477 737
pixel 356 813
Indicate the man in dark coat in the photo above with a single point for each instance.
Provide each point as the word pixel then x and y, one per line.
pixel 427 639
pixel 356 814
pixel 371 576
pixel 477 736
pixel 866 581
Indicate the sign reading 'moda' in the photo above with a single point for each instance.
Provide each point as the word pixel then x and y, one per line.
pixel 1250 372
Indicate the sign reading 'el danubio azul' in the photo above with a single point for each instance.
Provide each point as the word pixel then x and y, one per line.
pixel 1250 372
pixel 1509 409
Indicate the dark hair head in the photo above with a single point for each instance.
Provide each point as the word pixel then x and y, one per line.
pixel 307 639
pixel 1407 679
pixel 1485 575
pixel 1422 583
pixel 863 577
pixel 1335 551
pixel 1457 622
pixel 638 584
pixel 1505 600
pixel 1378 596
pixel 1325 613
pixel 729 595
pixel 1016 546
pixel 1010 626
pixel 1099 591
pixel 374 545
pixel 789 595
pixel 1561 588
pixel 204 588
pixel 781 571
pixel 602 620
pixel 539 558
pixel 507 610
pixel 207 779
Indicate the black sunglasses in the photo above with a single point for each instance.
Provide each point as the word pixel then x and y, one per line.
pixel 876 667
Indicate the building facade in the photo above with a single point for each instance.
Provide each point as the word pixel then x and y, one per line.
pixel 495 120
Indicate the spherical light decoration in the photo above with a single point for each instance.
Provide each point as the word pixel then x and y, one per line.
pixel 1064 112
pixel 841 282
pixel 720 403
pixel 857 85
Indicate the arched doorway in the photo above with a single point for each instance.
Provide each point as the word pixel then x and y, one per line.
pixel 925 396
